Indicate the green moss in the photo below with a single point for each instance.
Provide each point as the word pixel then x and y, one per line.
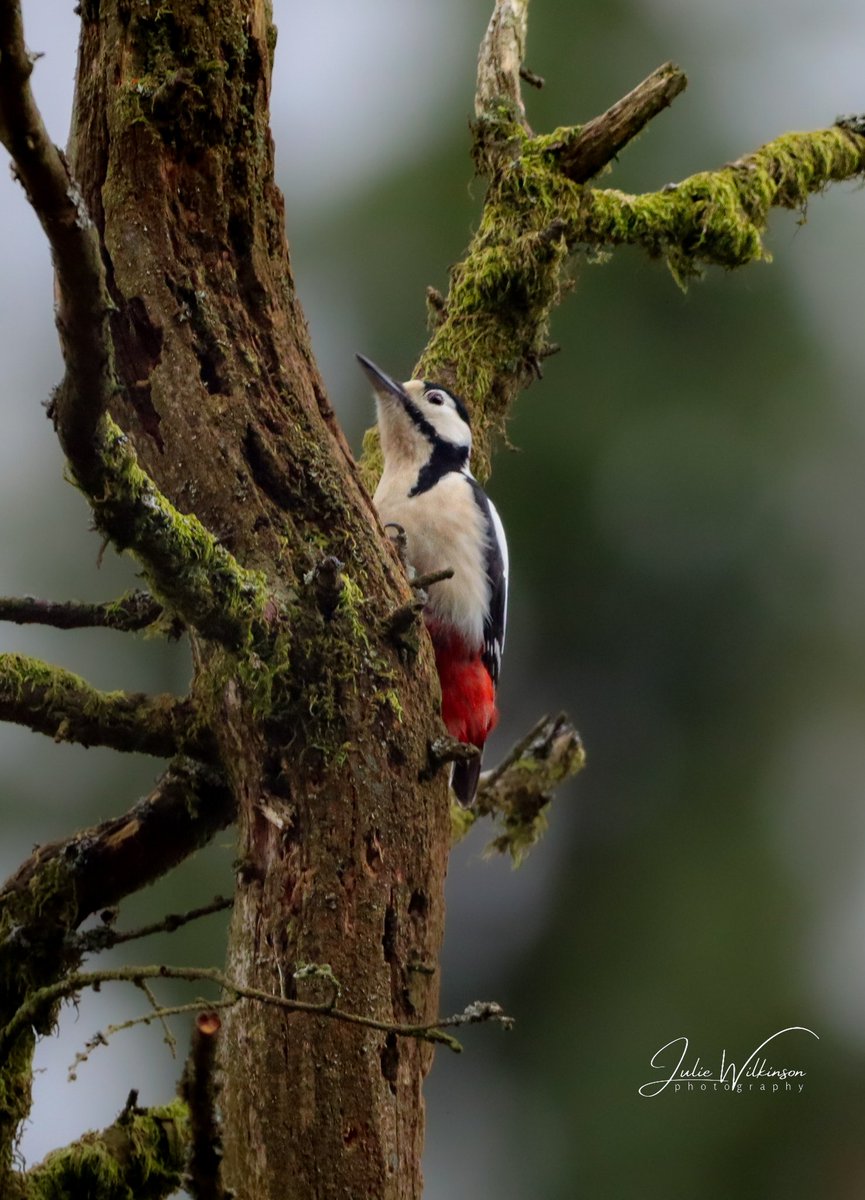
pixel 351 599
pixel 492 332
pixel 56 702
pixel 503 292
pixel 719 217
pixel 371 461
pixel 462 820
pixel 33 920
pixel 140 1157
pixel 186 566
pixel 390 701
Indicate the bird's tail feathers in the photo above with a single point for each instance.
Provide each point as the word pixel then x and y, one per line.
pixel 464 780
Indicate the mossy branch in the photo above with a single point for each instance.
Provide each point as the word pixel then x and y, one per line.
pixel 187 567
pixel 143 1154
pixel 490 333
pixel 31 1012
pixel 494 331
pixel 517 792
pixel 129 613
pixel 51 700
pixel 718 218
pixel 97 867
pixel 62 883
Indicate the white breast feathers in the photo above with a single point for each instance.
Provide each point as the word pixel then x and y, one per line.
pixel 444 527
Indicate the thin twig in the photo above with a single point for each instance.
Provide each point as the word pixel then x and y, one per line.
pixel 45 997
pixel 490 778
pixel 103 1036
pixel 168 1037
pixel 431 577
pixel 103 937
pixel 533 80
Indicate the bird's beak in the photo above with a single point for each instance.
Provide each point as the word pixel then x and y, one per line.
pixel 382 384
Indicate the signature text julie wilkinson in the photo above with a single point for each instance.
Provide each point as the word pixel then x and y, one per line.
pixel 680 1073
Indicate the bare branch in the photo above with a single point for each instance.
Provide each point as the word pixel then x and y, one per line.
pixel 104 937
pixel 46 998
pixel 601 139
pixel 83 303
pixel 447 749
pixel 500 62
pixel 518 791
pixel 53 701
pixel 97 867
pixel 131 612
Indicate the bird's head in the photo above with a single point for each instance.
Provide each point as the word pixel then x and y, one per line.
pixel 417 418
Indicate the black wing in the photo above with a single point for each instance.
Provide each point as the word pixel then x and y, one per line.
pixel 497 574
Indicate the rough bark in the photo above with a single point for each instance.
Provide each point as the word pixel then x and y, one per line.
pixel 343 844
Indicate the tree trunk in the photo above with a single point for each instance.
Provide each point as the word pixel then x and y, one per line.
pixel 343 837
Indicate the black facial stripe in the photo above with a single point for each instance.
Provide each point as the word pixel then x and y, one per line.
pixel 445 457
pixel 429 386
pixel 419 420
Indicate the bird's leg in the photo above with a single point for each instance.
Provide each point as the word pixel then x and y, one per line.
pixel 399 541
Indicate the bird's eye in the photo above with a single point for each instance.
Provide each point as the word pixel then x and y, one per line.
pixel 435 397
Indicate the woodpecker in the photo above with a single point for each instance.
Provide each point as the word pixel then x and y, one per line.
pixel 428 490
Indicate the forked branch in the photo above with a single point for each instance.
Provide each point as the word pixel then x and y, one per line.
pixel 491 330
pixel 517 792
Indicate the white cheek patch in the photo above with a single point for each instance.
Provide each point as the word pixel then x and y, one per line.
pixel 401 441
